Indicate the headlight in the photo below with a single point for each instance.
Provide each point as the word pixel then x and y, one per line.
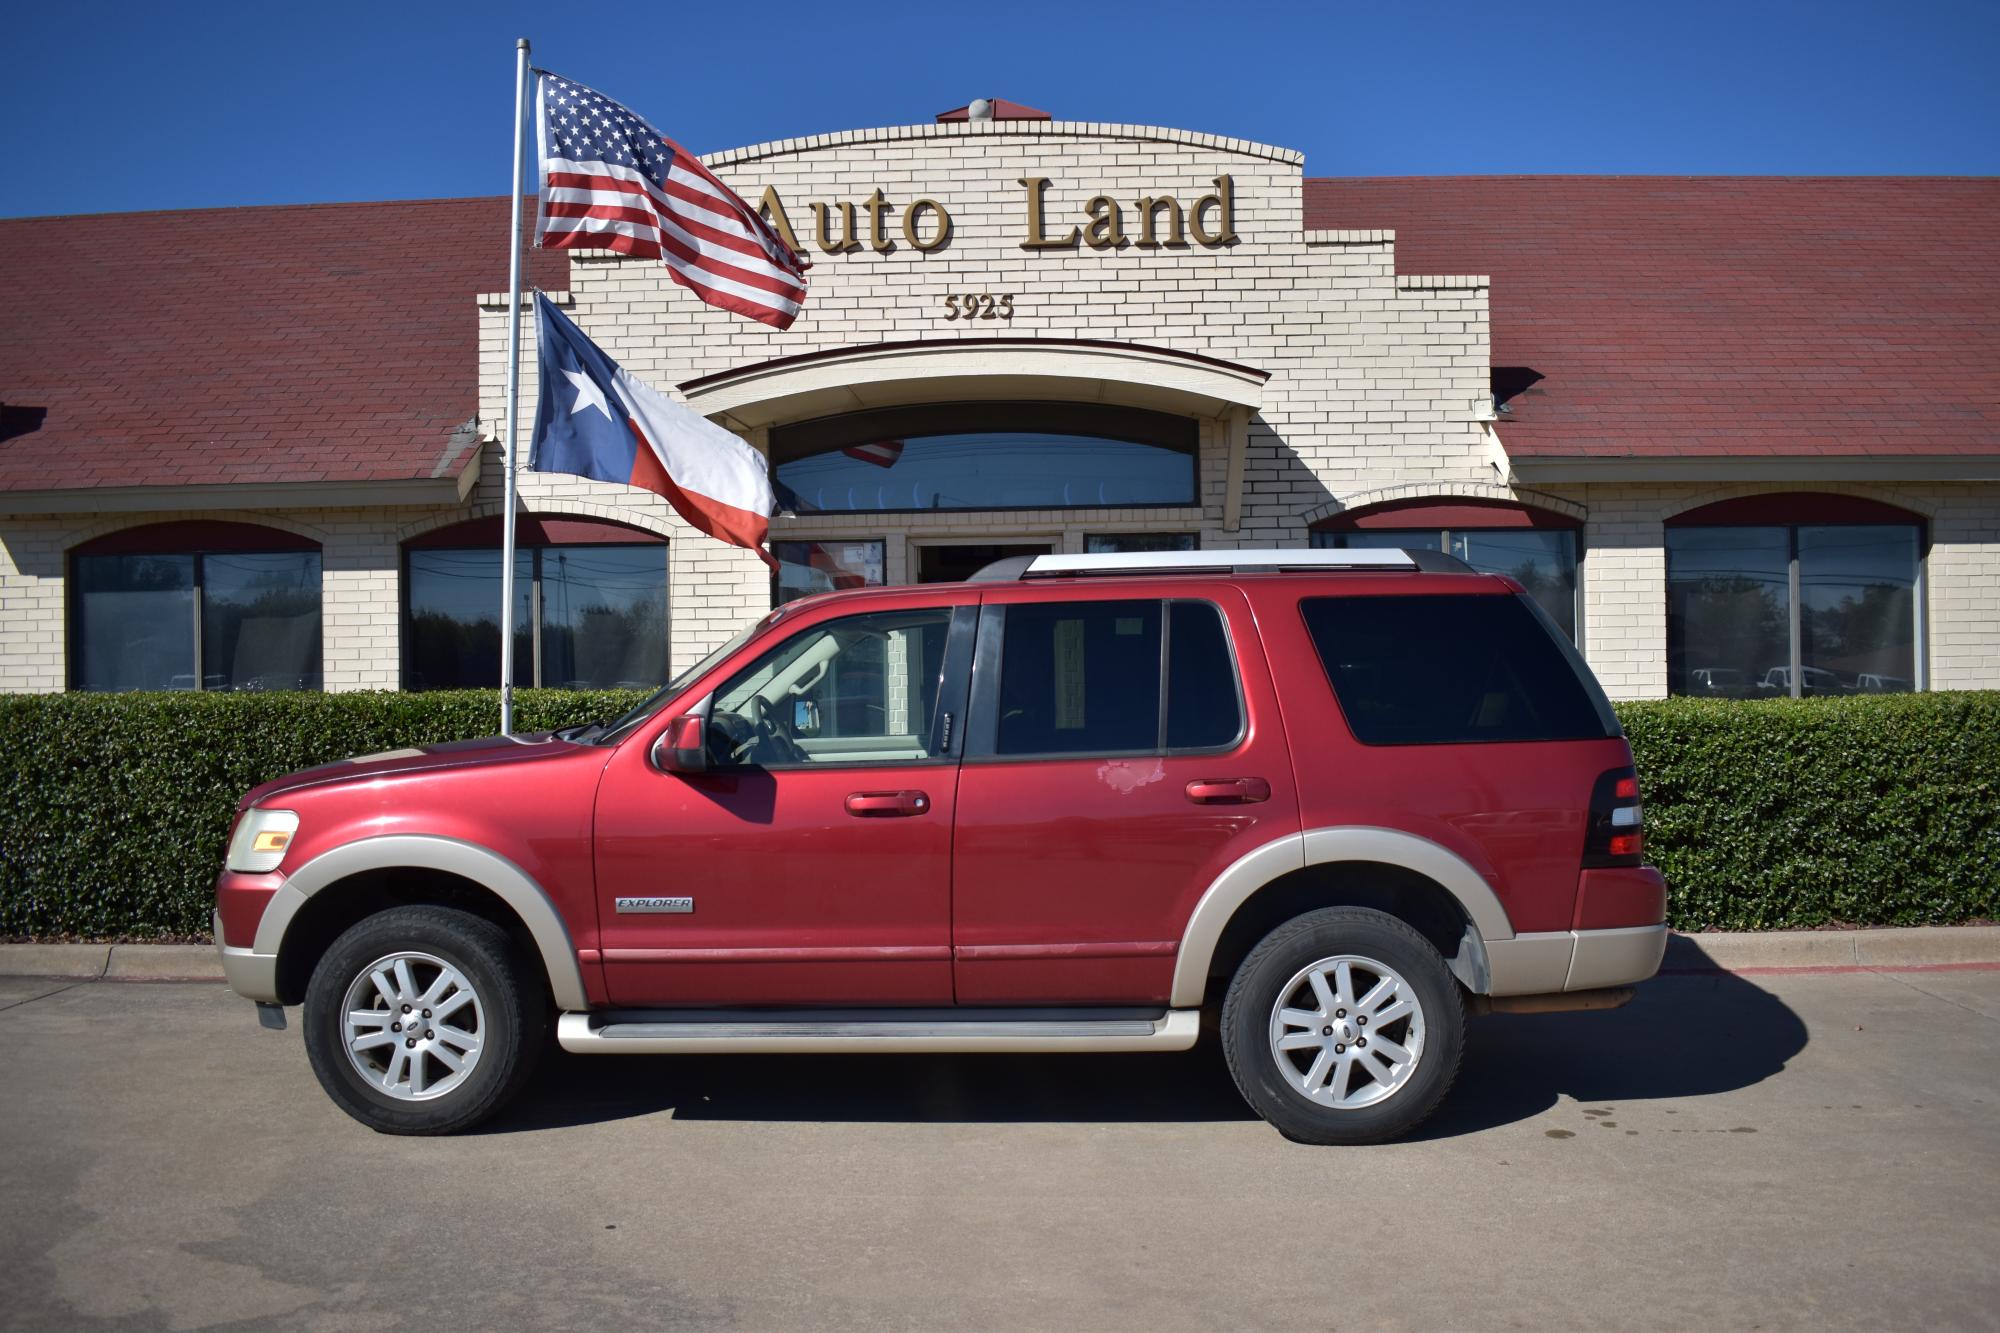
pixel 261 839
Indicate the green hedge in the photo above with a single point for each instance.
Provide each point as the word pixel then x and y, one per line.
pixel 118 806
pixel 1761 814
pixel 1881 810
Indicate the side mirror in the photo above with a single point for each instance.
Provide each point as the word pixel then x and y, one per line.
pixel 683 746
pixel 805 717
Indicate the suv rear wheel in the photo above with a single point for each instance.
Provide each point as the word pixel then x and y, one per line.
pixel 420 1020
pixel 1343 1026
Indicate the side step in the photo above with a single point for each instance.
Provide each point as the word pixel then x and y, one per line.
pixel 803 1031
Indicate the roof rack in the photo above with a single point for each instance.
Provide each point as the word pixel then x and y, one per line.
pixel 1021 567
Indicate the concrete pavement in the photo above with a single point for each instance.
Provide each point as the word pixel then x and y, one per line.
pixel 1777 1151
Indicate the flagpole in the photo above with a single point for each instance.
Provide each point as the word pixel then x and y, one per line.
pixel 513 398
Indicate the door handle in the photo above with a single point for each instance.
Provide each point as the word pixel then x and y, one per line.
pixel 887 804
pixel 1228 791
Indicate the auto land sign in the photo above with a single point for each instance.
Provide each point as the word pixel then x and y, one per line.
pixel 1154 222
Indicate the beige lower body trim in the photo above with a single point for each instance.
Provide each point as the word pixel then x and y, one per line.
pixel 484 867
pixel 1565 960
pixel 1616 957
pixel 250 974
pixel 1176 1030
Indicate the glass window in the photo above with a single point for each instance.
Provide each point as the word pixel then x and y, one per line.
pixel 1380 539
pixel 1541 560
pixel 805 568
pixel 1729 611
pixel 604 617
pixel 986 456
pixel 1084 678
pixel 135 622
pixel 453 639
pixel 1119 543
pixel 209 620
pixel 260 621
pixel 1080 678
pixel 1730 616
pixel 862 689
pixel 1432 670
pixel 1204 709
pixel 1858 606
pixel 603 621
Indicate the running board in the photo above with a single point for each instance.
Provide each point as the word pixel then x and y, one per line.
pixel 803 1031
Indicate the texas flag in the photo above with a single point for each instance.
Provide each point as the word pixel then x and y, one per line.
pixel 594 420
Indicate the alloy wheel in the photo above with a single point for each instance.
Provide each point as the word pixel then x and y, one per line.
pixel 1347 1031
pixel 412 1026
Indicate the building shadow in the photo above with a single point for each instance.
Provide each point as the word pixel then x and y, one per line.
pixel 1684 1035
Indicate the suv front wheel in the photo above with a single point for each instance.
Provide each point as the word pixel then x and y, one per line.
pixel 1343 1026
pixel 420 1020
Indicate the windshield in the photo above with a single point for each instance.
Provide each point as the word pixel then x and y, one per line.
pixel 660 698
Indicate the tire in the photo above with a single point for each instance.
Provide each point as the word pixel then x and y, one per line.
pixel 471 1056
pixel 1362 1096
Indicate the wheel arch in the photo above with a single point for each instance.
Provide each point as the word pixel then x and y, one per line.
pixel 1429 886
pixel 302 919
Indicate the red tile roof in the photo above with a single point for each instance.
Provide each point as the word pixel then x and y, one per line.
pixel 334 342
pixel 1666 316
pixel 1707 315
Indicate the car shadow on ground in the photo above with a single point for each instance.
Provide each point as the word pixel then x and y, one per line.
pixel 1682 1036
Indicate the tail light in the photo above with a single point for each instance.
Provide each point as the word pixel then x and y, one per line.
pixel 1616 835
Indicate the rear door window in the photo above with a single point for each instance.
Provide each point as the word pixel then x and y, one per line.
pixel 1204 709
pixel 1088 678
pixel 1443 670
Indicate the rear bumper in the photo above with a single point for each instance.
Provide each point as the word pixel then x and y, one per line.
pixel 1567 960
pixel 1616 957
pixel 250 974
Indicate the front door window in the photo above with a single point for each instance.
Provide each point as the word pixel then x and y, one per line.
pixel 863 689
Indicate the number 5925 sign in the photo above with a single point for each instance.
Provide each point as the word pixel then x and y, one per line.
pixel 978 305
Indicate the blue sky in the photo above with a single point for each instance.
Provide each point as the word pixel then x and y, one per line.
pixel 113 107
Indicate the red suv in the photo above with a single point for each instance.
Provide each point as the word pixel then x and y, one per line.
pixel 1332 799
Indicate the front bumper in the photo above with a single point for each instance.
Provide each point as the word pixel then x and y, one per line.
pixel 250 974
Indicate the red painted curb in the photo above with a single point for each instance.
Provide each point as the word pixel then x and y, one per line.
pixel 1826 969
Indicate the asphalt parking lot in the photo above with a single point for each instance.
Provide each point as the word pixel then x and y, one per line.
pixel 1770 1151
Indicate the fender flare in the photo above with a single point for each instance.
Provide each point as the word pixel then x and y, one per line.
pixel 1295 851
pixel 484 867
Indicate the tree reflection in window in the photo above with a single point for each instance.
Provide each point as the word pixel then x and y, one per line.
pixel 602 621
pixel 1730 614
pixel 195 605
pixel 1541 560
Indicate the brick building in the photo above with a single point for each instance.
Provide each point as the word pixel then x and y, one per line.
pixel 1739 436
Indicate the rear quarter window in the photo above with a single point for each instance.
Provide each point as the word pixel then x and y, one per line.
pixel 1452 669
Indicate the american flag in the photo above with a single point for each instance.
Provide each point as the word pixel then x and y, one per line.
pixel 610 181
pixel 882 453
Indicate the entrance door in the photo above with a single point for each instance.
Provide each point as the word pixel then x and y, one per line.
pixel 811 862
pixel 955 564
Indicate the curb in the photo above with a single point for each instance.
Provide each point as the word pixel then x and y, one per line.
pixel 112 962
pixel 1824 950
pixel 1718 951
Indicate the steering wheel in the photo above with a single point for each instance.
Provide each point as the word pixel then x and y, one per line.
pixel 765 732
